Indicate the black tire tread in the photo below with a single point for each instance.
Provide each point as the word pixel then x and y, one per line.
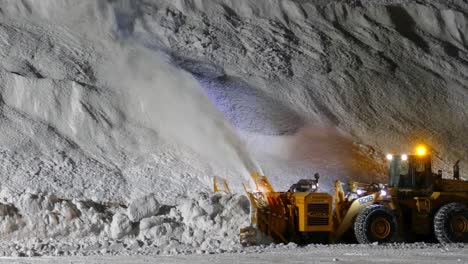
pixel 441 229
pixel 360 225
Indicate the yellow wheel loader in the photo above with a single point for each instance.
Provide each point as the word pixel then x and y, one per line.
pixel 425 204
pixel 415 202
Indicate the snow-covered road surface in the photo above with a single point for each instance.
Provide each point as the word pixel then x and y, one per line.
pixel 407 253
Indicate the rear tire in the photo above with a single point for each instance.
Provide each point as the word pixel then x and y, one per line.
pixel 376 223
pixel 451 223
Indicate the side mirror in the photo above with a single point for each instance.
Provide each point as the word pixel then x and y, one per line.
pixel 316 176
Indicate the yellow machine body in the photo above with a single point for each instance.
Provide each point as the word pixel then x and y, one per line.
pixel 314 212
pixel 285 216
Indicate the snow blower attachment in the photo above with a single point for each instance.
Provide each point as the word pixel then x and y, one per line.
pixel 284 217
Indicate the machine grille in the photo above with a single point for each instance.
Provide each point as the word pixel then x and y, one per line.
pixel 318 214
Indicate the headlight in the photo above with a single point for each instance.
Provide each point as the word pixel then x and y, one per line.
pixel 404 157
pixel 352 196
pixel 389 156
pixel 383 193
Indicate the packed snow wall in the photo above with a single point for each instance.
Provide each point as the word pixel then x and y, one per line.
pixel 110 100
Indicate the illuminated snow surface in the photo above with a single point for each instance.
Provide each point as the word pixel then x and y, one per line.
pixel 106 105
pixel 403 253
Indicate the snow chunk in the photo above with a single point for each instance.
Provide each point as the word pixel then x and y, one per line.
pixel 121 226
pixel 143 207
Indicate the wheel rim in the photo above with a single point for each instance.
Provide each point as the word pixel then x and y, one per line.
pixel 459 224
pixel 380 228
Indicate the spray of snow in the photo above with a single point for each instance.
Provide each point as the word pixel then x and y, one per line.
pixel 315 149
pixel 168 100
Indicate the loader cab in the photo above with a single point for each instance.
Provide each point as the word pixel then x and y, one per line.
pixel 306 185
pixel 411 172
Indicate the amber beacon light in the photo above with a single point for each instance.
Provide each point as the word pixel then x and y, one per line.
pixel 421 150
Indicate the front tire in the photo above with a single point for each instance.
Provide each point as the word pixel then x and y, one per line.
pixel 376 223
pixel 451 223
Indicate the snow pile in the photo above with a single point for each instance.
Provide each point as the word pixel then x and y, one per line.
pixel 213 221
pixel 44 216
pixel 200 222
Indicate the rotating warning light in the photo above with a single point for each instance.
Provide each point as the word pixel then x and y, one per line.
pixel 421 150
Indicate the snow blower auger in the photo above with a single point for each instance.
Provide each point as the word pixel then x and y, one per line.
pixel 220 185
pixel 283 217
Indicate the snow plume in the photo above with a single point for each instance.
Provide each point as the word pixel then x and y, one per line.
pixel 171 102
pixel 316 149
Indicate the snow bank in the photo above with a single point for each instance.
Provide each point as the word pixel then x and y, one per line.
pixel 198 222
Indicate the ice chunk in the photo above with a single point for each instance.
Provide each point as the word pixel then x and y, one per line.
pixel 121 226
pixel 143 207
